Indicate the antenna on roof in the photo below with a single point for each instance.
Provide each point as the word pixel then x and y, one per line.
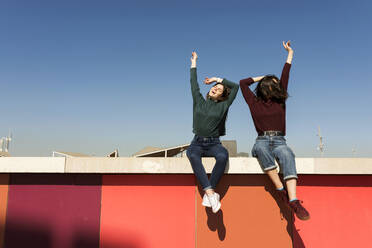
pixel 4 143
pixel 353 151
pixel 1 144
pixel 321 145
pixel 7 140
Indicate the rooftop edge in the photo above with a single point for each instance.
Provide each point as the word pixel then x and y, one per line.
pixel 131 165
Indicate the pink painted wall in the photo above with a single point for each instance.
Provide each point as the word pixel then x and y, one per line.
pixel 54 211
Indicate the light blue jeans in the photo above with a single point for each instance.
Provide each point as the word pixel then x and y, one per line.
pixel 267 149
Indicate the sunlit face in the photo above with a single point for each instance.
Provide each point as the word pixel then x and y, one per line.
pixel 216 92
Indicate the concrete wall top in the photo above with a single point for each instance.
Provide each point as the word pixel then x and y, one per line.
pixel 32 164
pixel 128 165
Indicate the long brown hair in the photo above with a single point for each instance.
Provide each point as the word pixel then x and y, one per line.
pixel 269 88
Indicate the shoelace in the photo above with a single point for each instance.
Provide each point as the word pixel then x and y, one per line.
pixel 297 205
pixel 214 200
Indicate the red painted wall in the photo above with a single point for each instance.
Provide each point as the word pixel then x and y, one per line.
pixel 341 211
pixel 148 211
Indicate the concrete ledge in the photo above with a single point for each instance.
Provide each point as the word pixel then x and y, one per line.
pixel 128 165
pixel 104 165
pixel 32 165
pixel 343 165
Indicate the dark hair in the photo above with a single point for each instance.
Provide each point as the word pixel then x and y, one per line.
pixel 225 94
pixel 269 88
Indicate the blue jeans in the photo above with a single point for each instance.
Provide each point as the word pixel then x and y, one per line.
pixel 207 147
pixel 267 149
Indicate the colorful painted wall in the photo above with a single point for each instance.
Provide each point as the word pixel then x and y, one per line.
pixel 154 210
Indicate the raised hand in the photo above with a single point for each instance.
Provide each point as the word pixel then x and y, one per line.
pixel 287 46
pixel 194 57
pixel 210 80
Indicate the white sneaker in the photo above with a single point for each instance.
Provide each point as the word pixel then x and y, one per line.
pixel 206 202
pixel 214 200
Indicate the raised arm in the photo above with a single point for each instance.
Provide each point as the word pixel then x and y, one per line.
pixel 248 95
pixel 234 90
pixel 287 66
pixel 195 90
pixel 287 46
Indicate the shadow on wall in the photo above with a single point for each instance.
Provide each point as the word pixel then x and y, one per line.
pixel 33 236
pixel 215 222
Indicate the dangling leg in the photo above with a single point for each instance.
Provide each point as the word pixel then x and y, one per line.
pixel 274 176
pixel 265 157
pixel 221 155
pixel 194 154
pixel 287 162
pixel 286 159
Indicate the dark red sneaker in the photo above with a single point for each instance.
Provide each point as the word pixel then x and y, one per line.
pixel 283 195
pixel 299 210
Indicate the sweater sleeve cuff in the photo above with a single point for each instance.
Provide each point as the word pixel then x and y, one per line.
pixel 247 81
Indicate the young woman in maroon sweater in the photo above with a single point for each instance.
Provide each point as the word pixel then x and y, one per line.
pixel 268 113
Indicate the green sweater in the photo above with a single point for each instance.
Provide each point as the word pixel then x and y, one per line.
pixel 209 117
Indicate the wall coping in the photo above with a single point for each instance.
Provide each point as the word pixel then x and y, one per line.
pixel 131 165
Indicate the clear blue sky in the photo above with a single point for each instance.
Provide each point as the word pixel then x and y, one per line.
pixel 92 76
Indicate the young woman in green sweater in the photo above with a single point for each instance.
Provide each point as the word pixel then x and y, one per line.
pixel 209 117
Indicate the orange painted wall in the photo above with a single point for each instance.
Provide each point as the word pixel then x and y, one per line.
pixel 340 209
pixel 148 211
pixel 4 181
pixel 250 216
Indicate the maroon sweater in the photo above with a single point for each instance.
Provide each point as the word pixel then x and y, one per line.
pixel 266 115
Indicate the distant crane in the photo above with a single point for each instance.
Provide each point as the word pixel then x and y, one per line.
pixel 321 145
